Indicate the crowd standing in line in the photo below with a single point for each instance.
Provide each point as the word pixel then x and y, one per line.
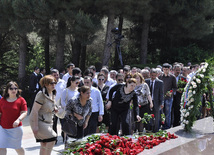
pixel 109 97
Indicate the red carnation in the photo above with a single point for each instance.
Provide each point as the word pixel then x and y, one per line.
pixel 152 115
pixel 171 91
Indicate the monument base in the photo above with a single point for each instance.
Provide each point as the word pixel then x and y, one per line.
pixel 199 141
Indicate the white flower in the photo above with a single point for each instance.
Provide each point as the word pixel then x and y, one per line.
pixel 194 92
pixel 189 95
pixel 202 75
pixel 187 114
pixel 191 106
pixel 198 80
pixel 182 125
pixel 190 87
pixel 187 122
pixel 194 78
pixel 204 70
pixel 192 99
pixel 195 86
pixel 190 91
pixel 182 118
pixel 193 83
pixel 184 110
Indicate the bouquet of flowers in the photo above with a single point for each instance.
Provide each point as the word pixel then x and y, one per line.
pixel 169 93
pixel 163 118
pixel 146 118
pixel 181 84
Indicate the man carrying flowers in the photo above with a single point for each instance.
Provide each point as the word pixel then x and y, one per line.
pixel 170 86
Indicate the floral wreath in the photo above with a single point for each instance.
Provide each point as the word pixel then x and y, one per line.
pixel 201 82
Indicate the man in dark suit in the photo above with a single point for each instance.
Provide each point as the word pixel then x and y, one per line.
pixel 41 75
pixel 177 97
pixel 156 89
pixel 33 86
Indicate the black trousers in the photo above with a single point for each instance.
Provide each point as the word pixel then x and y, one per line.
pixel 32 98
pixel 92 124
pixel 176 109
pixel 55 119
pixel 124 118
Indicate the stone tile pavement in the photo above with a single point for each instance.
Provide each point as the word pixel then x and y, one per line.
pixel 29 142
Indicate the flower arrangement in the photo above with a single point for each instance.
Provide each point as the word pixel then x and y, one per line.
pixel 191 97
pixel 115 145
pixel 181 84
pixel 146 118
pixel 163 118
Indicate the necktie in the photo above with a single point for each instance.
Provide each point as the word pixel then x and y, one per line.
pixel 151 88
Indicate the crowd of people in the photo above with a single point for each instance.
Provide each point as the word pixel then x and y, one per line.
pixel 119 99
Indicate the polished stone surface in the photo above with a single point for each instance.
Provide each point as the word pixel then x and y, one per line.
pixel 202 133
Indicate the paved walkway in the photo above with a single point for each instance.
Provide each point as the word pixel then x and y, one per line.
pixel 29 142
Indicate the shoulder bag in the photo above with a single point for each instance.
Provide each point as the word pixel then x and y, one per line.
pixel 69 127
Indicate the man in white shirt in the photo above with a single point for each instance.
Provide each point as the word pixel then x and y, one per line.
pixel 108 81
pixel 69 73
pixel 94 77
pixel 97 107
pixel 60 86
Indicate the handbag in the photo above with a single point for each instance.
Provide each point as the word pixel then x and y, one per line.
pixel 61 111
pixel 69 127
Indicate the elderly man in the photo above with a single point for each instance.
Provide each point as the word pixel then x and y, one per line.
pixel 97 107
pixel 145 73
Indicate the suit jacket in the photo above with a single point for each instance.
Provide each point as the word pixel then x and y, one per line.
pixel 39 76
pixel 158 95
pixel 33 82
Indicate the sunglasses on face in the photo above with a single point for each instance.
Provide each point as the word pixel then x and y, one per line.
pixel 13 88
pixel 101 79
pixel 120 80
pixel 53 83
pixel 128 77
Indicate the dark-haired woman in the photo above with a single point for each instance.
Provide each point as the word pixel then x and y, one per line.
pixel 79 110
pixel 104 90
pixel 71 90
pixel 120 106
pixel 13 109
pixel 41 117
pixel 68 93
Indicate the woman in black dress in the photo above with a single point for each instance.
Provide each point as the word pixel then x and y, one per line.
pixel 120 106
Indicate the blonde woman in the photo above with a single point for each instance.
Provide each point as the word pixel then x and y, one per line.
pixel 41 117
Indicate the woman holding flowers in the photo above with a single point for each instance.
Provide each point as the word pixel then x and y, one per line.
pixel 144 98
